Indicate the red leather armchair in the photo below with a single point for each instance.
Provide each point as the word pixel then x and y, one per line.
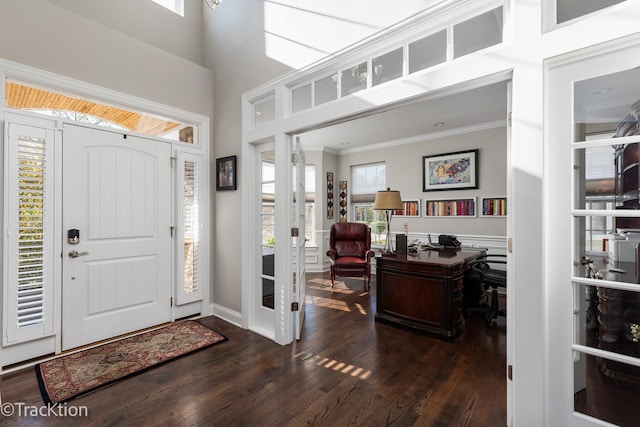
pixel 350 251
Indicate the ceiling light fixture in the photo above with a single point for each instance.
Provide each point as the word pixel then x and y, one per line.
pixel 213 3
pixel 438 124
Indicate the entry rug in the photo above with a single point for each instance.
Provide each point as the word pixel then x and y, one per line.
pixel 69 376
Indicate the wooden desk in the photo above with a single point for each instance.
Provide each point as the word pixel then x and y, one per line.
pixel 423 291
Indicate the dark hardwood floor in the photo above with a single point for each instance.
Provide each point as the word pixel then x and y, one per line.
pixel 347 370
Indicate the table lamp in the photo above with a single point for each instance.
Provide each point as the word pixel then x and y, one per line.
pixel 388 201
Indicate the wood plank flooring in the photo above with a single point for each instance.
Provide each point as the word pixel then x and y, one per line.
pixel 347 370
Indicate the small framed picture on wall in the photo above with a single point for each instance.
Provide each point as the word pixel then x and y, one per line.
pixel 226 173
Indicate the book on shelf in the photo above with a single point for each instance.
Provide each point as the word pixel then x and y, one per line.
pixel 460 207
pixel 494 206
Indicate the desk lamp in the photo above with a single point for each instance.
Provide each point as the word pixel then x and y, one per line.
pixel 388 201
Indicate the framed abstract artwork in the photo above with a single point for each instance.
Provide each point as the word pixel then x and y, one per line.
pixel 450 171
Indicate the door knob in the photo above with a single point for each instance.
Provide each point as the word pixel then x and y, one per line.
pixel 76 254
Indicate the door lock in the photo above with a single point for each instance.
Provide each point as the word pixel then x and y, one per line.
pixel 73 236
pixel 76 254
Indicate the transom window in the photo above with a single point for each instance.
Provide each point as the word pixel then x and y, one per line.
pixel 451 41
pixel 23 97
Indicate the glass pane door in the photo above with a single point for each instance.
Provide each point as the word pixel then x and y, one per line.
pixel 606 230
pixel 267 225
pixel 299 237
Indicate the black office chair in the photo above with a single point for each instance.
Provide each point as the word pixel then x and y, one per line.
pixel 481 272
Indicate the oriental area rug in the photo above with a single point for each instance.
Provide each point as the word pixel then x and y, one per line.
pixel 72 375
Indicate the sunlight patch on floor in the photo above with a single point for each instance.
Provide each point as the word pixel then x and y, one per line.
pixel 336 365
pixel 329 303
pixel 325 285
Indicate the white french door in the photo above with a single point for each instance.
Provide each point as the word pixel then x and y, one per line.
pixel 281 250
pixel 263 297
pixel 299 237
pixel 592 189
pixel 117 235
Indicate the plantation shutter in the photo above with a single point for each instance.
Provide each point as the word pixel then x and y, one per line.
pixel 189 192
pixel 29 226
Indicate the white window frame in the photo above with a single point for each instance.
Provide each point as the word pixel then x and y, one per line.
pixel 175 6
pixel 13 333
pixel 358 189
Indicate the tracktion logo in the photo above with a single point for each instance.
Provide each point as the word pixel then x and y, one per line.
pixel 21 409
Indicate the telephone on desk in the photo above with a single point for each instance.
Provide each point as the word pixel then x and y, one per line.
pixel 449 241
pixel 444 241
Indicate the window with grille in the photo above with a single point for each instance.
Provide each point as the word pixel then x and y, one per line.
pixel 189 192
pixel 29 278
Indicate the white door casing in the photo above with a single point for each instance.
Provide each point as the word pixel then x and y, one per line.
pixel 117 193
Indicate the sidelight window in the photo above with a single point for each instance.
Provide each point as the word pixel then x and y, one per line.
pixel 189 257
pixel 29 222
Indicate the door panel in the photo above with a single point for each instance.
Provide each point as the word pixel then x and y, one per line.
pixel 117 193
pixel 299 241
pixel 592 217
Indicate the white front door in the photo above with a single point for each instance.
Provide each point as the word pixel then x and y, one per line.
pixel 117 195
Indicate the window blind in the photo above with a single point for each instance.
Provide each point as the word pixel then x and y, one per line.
pixel 29 223
pixel 31 209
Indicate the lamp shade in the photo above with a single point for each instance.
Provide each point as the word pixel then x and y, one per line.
pixel 388 199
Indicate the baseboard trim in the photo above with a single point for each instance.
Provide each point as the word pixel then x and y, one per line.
pixel 228 315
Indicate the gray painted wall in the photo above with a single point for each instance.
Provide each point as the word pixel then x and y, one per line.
pixel 404 173
pixel 41 34
pixel 148 22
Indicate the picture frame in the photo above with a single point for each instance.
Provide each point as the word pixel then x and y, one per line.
pixel 450 171
pixel 226 173
pixel 329 195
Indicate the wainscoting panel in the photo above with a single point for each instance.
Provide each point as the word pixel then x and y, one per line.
pixel 317 261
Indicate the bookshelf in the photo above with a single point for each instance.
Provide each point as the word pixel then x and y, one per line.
pixel 411 208
pixel 458 208
pixel 495 207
